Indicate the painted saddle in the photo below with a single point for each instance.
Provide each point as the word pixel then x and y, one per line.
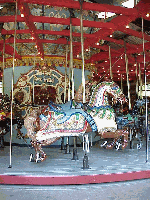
pixel 67 110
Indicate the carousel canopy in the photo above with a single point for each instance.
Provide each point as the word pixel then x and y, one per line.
pixel 111 30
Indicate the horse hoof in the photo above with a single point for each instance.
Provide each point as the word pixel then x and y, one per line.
pixel 31 158
pixel 38 161
pixel 118 147
pixel 104 144
pixel 42 159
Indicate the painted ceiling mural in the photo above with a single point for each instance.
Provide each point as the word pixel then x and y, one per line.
pixel 110 32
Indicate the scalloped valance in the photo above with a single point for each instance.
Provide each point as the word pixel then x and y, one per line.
pixel 48 61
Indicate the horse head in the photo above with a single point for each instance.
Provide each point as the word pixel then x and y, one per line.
pixel 103 90
pixel 117 93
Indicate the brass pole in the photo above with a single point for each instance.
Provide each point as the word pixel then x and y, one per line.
pixel 70 64
pixel 146 108
pixel 33 81
pixel 66 73
pixel 69 85
pixel 71 59
pixel 128 83
pixel 136 72
pixel 121 83
pixel 111 75
pixel 82 49
pixel 3 67
pixel 12 84
pixel 140 80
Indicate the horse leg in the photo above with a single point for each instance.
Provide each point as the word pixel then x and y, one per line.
pixel 110 145
pixel 118 143
pixel 121 141
pixel 32 159
pixel 125 142
pixel 40 155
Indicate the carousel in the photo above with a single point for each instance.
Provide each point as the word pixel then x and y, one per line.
pixel 74 91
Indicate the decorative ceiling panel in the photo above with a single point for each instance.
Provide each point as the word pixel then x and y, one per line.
pixel 54 49
pixel 134 40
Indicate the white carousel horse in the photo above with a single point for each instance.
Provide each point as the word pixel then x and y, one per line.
pixel 104 115
pixel 72 119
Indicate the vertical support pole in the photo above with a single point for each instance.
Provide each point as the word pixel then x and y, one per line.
pixel 62 144
pixel 67 151
pixel 33 83
pixel 69 81
pixel 3 67
pixel 121 84
pixel 83 143
pixel 128 83
pixel 85 159
pixel 86 150
pixel 146 118
pixel 136 72
pixel 82 49
pixel 140 80
pixel 86 143
pixel 91 141
pixel 71 73
pixel 135 3
pixel 69 85
pixel 43 23
pixel 2 141
pixel 12 85
pixel 130 131
pixel 75 142
pixel 75 155
pixel 66 73
pixel 71 59
pixel 72 81
pixel 111 76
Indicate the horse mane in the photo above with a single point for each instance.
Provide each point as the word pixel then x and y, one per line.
pixel 96 89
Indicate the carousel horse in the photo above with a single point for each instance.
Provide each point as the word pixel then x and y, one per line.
pixel 134 120
pixel 73 119
pixel 5 118
pixel 104 115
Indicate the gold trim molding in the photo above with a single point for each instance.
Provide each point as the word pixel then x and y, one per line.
pixel 48 60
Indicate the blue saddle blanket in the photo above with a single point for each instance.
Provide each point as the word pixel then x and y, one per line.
pixel 68 109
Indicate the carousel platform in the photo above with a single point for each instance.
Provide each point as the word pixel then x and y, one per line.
pixel 59 168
